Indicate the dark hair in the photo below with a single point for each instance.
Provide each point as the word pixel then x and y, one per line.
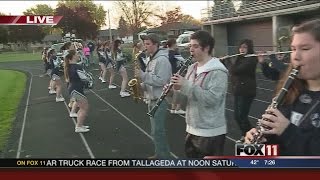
pixel 205 39
pixel 115 47
pixel 312 27
pixel 171 42
pixel 66 46
pixel 249 43
pixel 67 59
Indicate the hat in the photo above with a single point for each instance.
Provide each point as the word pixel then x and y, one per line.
pixel 152 37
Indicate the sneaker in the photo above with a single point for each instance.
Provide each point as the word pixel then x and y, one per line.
pixel 59 99
pixel 103 81
pixel 73 115
pixel 87 127
pixel 100 78
pixel 172 111
pixel 180 111
pixel 112 86
pixel 124 94
pixel 52 92
pixel 81 129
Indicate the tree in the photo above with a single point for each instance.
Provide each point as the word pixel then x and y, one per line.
pixel 171 16
pixel 176 15
pixel 190 20
pixel 123 28
pixel 41 9
pixel 223 9
pixel 25 34
pixel 97 12
pixel 136 14
pixel 77 20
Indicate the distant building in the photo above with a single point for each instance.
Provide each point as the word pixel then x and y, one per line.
pixel 171 30
pixel 263 21
pixel 51 39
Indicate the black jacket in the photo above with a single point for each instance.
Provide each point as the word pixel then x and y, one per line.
pixel 302 140
pixel 274 68
pixel 243 76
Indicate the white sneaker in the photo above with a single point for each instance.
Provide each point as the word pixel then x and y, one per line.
pixel 112 86
pixel 103 81
pixel 73 115
pixel 100 78
pixel 52 92
pixel 59 99
pixel 172 111
pixel 124 94
pixel 81 129
pixel 87 127
pixel 180 111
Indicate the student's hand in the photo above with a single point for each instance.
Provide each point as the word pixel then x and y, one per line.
pixel 177 81
pixel 260 57
pixel 274 119
pixel 250 134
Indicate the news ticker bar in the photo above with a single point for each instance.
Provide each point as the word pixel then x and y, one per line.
pixel 163 163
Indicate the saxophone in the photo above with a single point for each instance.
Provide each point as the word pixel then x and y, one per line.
pixel 257 138
pixel 134 83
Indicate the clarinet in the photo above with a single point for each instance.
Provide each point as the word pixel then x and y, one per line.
pixel 257 138
pixel 182 71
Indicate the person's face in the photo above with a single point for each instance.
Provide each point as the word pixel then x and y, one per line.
pixel 150 47
pixel 243 49
pixel 306 54
pixel 197 51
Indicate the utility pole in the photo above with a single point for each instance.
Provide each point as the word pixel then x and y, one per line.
pixel 110 33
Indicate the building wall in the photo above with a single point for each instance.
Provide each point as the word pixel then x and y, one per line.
pixel 260 32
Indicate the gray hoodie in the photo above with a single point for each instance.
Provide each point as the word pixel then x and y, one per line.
pixel 206 96
pixel 157 74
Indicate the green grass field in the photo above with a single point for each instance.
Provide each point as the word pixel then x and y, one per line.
pixel 11 91
pixel 19 56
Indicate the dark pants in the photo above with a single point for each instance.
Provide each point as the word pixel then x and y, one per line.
pixel 199 147
pixel 242 106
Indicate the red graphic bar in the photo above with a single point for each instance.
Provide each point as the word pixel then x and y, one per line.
pixel 30 20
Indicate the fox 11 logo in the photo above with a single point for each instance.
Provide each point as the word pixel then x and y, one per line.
pixel 256 150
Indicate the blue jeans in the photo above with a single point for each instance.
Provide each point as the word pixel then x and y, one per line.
pixel 158 130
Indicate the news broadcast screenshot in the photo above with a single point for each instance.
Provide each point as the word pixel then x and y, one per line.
pixel 182 89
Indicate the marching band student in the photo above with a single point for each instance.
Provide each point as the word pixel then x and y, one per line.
pixel 44 54
pixel 275 68
pixel 156 76
pixel 56 84
pixel 295 124
pixel 102 62
pixel 243 79
pixel 176 98
pixel 110 64
pixel 72 72
pixel 72 104
pixel 117 56
pixel 205 86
